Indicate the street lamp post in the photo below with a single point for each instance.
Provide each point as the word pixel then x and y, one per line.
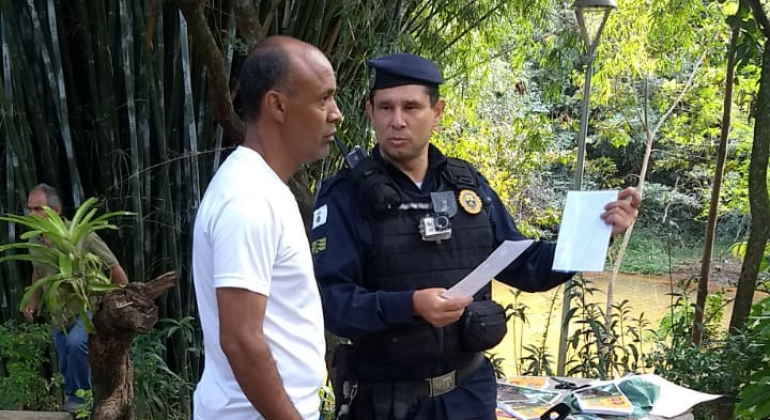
pixel 590 11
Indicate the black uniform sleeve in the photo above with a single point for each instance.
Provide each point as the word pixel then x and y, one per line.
pixel 531 271
pixel 339 234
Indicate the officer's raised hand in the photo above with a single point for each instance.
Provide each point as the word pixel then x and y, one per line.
pixel 622 212
pixel 437 310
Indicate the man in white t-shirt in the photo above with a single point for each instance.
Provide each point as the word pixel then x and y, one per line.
pixel 258 302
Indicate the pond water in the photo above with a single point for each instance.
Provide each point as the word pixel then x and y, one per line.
pixel 647 295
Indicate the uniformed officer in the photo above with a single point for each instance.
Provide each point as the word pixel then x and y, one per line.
pixel 392 234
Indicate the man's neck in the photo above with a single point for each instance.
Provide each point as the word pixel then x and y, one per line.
pixel 415 169
pixel 274 157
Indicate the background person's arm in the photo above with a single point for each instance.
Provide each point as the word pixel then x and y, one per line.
pixel 96 245
pixel 241 315
pixel 29 311
pixel 117 275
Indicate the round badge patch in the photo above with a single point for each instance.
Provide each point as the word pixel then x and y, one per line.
pixel 470 201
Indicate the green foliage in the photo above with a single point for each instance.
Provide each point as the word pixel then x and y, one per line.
pixel 754 397
pixel 597 349
pixel 326 395
pixel 83 411
pixel 79 274
pixel 721 364
pixel 739 250
pixel 497 364
pixel 505 135
pixel 161 393
pixel 676 325
pixel 600 347
pixel 516 316
pixel 654 253
pixel 533 359
pixel 24 385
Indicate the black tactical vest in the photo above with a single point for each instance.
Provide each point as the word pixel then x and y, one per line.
pixel 400 260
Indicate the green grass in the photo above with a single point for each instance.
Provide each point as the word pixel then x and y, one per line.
pixel 648 253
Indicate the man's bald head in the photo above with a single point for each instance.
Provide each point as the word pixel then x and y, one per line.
pixel 271 64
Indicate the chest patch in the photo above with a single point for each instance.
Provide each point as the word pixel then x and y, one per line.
pixel 470 201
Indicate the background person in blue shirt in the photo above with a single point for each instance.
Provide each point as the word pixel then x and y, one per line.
pixel 392 234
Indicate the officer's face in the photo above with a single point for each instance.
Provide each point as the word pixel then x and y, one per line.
pixel 312 111
pixel 403 120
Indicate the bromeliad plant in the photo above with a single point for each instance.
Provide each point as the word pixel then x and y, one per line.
pixel 79 274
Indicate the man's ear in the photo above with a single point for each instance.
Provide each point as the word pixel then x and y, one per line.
pixel 369 108
pixel 274 105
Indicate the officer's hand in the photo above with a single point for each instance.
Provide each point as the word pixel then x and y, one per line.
pixel 437 310
pixel 622 213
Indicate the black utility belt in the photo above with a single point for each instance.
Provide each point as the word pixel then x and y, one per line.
pixel 438 385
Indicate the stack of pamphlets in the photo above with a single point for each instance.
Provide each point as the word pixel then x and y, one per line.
pixel 524 403
pixel 605 399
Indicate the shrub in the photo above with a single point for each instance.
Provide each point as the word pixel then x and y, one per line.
pixel 25 383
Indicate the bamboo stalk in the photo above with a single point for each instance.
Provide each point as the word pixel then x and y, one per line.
pixel 192 167
pixel 127 46
pixel 55 78
pixel 29 104
pixel 219 131
pixel 144 131
pixel 189 120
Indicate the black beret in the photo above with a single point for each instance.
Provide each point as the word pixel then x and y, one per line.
pixel 402 69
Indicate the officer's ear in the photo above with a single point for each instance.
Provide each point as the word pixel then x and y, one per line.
pixel 274 105
pixel 369 108
pixel 438 109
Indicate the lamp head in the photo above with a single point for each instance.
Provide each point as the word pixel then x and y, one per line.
pixel 591 16
pixel 595 4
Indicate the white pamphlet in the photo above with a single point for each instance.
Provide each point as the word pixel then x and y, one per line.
pixel 488 269
pixel 583 236
pixel 675 400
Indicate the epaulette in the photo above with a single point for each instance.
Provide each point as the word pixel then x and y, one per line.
pixel 461 174
pixel 334 180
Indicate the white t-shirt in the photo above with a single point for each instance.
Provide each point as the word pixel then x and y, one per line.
pixel 249 234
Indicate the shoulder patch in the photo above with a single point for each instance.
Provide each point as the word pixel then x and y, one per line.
pixel 319 216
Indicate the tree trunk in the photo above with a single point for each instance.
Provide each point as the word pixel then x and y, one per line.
pixel 121 315
pixel 650 134
pixel 758 200
pixel 711 224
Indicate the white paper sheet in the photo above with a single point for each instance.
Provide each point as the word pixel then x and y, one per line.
pixel 583 235
pixel 674 399
pixel 489 268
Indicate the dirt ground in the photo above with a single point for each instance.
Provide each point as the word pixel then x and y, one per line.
pixel 724 272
